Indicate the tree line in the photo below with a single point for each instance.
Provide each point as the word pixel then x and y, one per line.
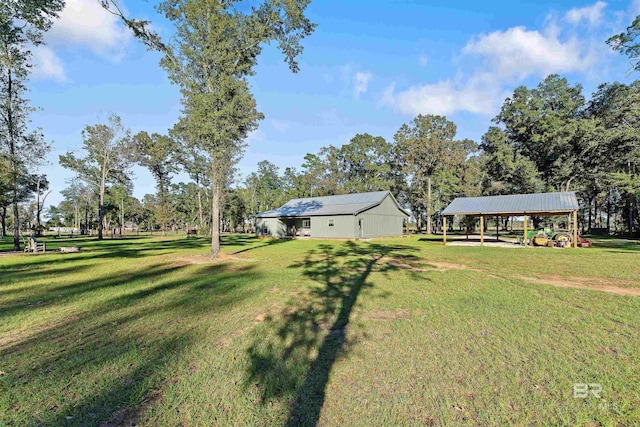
pixel 546 138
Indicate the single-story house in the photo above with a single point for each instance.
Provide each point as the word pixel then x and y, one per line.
pixel 347 216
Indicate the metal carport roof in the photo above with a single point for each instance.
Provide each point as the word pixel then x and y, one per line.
pixel 343 204
pixel 514 205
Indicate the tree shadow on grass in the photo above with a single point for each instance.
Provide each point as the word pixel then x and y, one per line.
pixel 29 266
pixel 106 361
pixel 263 244
pixel 295 358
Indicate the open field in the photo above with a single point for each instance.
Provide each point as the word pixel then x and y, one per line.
pixel 387 332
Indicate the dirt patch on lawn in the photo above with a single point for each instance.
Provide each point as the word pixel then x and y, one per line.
pixel 595 284
pixel 418 265
pixel 446 266
pixel 206 259
pixel 400 313
pixel 131 416
pixel 5 254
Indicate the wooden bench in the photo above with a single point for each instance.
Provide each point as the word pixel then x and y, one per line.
pixel 32 245
pixel 192 232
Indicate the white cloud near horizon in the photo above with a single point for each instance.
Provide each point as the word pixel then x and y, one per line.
pixel 361 81
pixel 492 64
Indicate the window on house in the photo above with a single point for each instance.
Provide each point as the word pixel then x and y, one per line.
pixel 306 222
pixel 265 229
pixel 331 223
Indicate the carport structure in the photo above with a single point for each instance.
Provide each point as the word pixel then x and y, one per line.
pixel 520 205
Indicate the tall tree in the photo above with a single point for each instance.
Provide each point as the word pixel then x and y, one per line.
pixel 21 26
pixel 156 152
pixel 108 153
pixel 616 106
pixel 81 197
pixel 546 125
pixel 195 163
pixel 627 43
pixel 425 145
pixel 215 48
pixel 509 171
pixel 42 192
pixel 5 194
pixel 365 164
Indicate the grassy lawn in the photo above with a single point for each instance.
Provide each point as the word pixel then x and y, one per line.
pixel 391 332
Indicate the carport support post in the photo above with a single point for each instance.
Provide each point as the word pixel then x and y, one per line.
pixel 497 228
pixel 481 230
pixel 444 230
pixel 524 240
pixel 575 229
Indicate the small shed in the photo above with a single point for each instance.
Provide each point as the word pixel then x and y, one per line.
pixel 524 205
pixel 347 216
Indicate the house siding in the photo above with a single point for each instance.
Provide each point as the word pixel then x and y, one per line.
pixel 275 227
pixel 384 220
pixel 343 227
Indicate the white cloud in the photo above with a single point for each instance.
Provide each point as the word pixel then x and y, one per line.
pixel 591 14
pixel 423 60
pixel 519 53
pixel 477 95
pixel 85 23
pixel 361 83
pixel 490 65
pixel 47 64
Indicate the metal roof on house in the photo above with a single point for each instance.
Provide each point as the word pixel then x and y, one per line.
pixel 344 204
pixel 517 204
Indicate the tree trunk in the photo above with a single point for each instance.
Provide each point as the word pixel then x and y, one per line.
pixel 429 228
pixel 200 213
pixel 215 213
pixel 86 217
pixel 38 232
pixel 608 213
pixel 16 221
pixel 100 212
pixel 14 163
pixel 630 215
pixel 3 221
pixel 121 216
pixel 589 223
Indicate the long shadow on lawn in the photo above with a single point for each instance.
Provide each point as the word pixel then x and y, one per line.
pixel 107 361
pixel 125 248
pixel 284 366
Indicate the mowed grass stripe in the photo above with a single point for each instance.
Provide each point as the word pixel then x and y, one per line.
pixel 396 331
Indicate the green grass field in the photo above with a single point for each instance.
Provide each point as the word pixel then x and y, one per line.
pixel 388 332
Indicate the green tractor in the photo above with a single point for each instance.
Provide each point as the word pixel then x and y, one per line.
pixel 549 237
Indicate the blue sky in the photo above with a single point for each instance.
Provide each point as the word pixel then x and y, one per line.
pixel 369 67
